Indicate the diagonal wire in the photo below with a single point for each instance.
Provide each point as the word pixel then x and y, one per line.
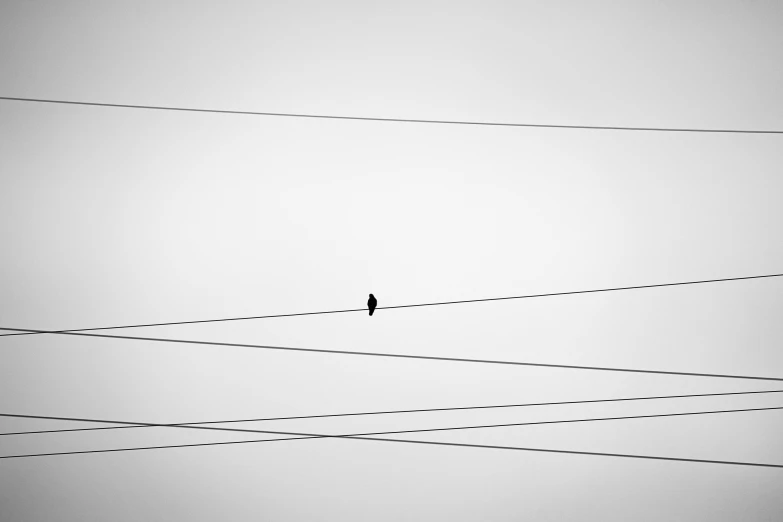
pixel 482 426
pixel 396 120
pixel 400 412
pixel 410 356
pixel 249 430
pixel 451 444
pixel 530 296
pixel 370 436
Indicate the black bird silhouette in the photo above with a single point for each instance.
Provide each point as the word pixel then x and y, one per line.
pixel 372 302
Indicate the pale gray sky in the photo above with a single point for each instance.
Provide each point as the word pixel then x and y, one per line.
pixel 118 216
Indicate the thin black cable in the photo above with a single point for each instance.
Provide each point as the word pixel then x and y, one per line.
pixel 367 434
pixel 452 444
pixel 370 436
pixel 395 432
pixel 428 410
pixel 397 120
pixel 409 356
pixel 34 332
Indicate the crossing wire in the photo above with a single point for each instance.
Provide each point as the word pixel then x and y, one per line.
pixel 411 356
pixel 373 436
pixel 395 120
pixel 427 410
pixel 529 296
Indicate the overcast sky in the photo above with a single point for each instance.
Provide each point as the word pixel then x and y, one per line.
pixel 116 216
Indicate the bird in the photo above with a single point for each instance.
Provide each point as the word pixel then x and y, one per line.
pixel 372 302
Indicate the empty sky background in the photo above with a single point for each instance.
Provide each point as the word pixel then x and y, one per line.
pixel 117 216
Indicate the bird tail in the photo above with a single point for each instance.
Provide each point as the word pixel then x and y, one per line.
pixel 371 311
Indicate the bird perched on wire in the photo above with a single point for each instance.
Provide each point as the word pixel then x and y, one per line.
pixel 372 302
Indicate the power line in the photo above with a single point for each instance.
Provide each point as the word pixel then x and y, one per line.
pixel 370 436
pixel 530 296
pixel 184 424
pixel 410 356
pixel 452 444
pixel 396 120
pixel 395 432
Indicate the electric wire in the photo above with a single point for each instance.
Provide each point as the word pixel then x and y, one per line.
pixel 529 296
pixel 372 436
pixel 395 432
pixel 411 356
pixel 427 410
pixel 432 443
pixel 395 120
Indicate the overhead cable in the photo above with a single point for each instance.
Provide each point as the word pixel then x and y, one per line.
pixel 372 436
pixel 395 120
pixel 464 301
pixel 411 356
pixel 427 410
pixel 367 434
